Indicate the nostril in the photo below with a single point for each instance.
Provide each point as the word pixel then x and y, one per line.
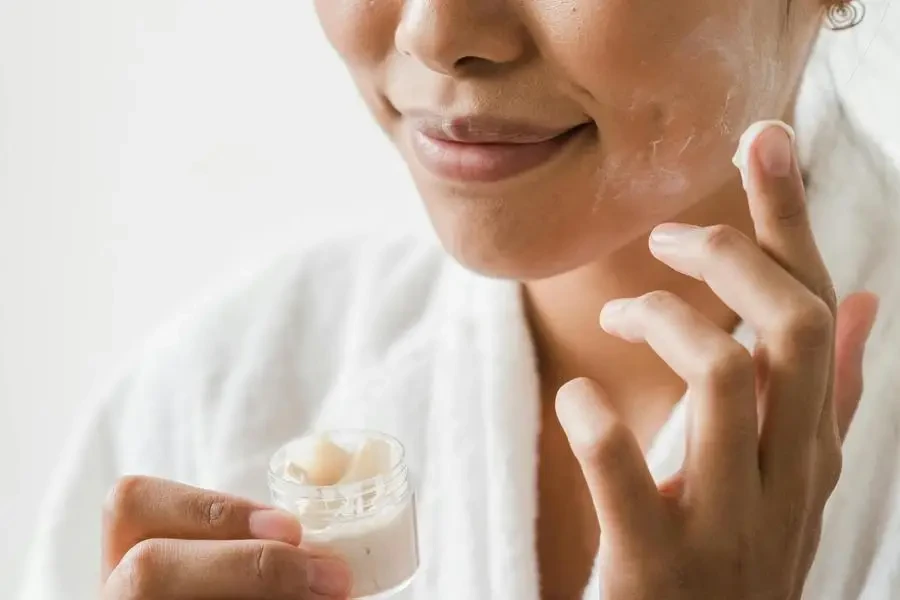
pixel 466 61
pixel 476 66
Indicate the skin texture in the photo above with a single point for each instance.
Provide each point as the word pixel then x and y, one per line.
pixel 167 540
pixel 665 89
pixel 742 519
pixel 669 87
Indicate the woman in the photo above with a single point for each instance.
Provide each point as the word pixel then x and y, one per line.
pixel 548 140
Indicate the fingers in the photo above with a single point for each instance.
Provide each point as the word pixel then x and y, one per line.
pixel 141 508
pixel 722 461
pixel 786 314
pixel 778 207
pixel 201 569
pixel 794 325
pixel 855 319
pixel 628 505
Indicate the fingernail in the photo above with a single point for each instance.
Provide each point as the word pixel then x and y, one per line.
pixel 328 576
pixel 584 414
pixel 773 159
pixel 612 322
pixel 612 310
pixel 278 525
pixel 671 234
pixel 776 152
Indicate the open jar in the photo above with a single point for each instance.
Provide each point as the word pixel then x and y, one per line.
pixel 350 490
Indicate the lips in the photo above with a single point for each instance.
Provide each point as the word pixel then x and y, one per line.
pixel 483 150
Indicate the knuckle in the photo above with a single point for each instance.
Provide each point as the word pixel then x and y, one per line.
pixel 722 237
pixel 276 568
pixel 658 300
pixel 124 497
pixel 137 575
pixel 729 369
pixel 212 510
pixel 832 467
pixel 791 212
pixel 809 325
pixel 828 294
pixel 610 445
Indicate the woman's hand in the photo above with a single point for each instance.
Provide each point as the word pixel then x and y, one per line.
pixel 166 540
pixel 742 519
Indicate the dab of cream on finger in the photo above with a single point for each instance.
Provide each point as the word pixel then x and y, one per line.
pixel 741 157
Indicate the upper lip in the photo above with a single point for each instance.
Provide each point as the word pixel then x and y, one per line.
pixel 478 129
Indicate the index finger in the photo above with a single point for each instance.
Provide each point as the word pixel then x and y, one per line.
pixel 236 570
pixel 628 505
pixel 778 205
pixel 143 508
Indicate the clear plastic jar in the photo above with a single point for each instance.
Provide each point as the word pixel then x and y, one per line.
pixel 370 523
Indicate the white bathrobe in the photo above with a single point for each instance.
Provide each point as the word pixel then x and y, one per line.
pixel 394 336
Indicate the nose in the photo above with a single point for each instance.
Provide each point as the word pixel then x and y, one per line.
pixel 450 35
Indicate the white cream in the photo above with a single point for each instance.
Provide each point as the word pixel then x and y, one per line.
pixel 350 490
pixel 371 459
pixel 742 155
pixel 316 460
pixel 382 550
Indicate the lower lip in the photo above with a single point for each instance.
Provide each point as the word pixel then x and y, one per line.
pixel 486 163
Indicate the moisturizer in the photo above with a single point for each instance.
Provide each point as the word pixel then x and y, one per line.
pixel 741 157
pixel 351 492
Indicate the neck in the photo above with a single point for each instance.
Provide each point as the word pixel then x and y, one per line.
pixel 563 312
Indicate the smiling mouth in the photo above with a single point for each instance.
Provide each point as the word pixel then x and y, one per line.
pixel 468 150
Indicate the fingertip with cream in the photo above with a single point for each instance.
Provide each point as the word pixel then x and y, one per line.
pixel 741 158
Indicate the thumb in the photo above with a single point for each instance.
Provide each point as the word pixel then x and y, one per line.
pixel 855 318
pixel 625 497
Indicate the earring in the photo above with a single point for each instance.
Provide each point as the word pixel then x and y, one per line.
pixel 845 14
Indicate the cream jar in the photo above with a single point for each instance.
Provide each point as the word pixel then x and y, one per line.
pixel 350 490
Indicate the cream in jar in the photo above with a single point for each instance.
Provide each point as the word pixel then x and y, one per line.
pixel 352 494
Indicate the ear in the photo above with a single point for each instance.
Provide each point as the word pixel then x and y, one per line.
pixel 843 14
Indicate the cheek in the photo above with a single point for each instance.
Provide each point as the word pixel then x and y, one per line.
pixel 631 55
pixel 671 85
pixel 362 31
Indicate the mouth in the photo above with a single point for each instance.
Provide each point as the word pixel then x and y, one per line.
pixel 480 150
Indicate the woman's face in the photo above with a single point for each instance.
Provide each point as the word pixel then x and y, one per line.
pixel 546 134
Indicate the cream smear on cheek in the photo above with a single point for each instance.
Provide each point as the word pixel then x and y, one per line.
pixel 749 74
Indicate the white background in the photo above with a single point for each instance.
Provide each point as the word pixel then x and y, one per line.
pixel 151 148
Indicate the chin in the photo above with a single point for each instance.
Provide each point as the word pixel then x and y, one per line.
pixel 499 240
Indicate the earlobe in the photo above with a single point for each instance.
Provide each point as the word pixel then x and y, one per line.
pixel 844 14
